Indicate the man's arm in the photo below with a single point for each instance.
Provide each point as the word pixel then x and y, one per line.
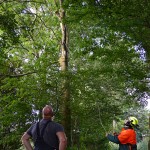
pixel 62 140
pixel 112 138
pixel 25 141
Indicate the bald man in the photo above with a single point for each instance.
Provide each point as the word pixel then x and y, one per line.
pixel 46 134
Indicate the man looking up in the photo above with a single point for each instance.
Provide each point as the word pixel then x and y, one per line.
pixel 46 134
pixel 127 137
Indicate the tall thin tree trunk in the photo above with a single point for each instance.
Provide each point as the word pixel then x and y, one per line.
pixel 149 135
pixel 63 60
pixel 114 126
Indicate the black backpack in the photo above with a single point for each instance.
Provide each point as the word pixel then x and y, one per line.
pixel 40 144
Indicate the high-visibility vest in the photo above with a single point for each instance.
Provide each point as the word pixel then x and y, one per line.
pixel 127 136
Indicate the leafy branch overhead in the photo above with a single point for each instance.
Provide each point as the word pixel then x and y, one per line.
pixel 89 59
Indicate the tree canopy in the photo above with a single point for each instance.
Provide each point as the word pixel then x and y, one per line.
pixel 105 47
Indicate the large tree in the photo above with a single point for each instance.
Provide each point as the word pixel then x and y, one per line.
pixel 103 75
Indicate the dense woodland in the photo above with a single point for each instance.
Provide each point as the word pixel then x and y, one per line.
pixel 88 59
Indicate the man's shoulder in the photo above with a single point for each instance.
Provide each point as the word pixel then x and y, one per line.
pixel 127 132
pixel 57 124
pixel 32 128
pixel 33 125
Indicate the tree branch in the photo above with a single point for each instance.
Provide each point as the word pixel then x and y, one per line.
pixel 17 75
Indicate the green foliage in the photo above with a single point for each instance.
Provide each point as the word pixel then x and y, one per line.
pixel 143 145
pixel 105 73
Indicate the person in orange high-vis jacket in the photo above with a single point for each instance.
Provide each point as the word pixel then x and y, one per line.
pixel 127 137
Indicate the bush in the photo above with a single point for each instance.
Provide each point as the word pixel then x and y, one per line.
pixel 143 145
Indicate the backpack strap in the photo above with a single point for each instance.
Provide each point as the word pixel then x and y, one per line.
pixel 40 143
pixel 132 146
pixel 43 129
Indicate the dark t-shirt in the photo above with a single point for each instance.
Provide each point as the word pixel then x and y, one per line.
pixel 49 136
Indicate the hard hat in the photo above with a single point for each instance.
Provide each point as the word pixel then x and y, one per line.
pixel 133 121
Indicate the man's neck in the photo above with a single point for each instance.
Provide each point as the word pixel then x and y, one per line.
pixel 47 118
pixel 127 127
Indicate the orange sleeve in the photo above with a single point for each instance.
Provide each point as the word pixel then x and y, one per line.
pixel 123 137
pixel 127 136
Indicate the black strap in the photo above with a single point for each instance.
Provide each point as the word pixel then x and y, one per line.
pixel 43 129
pixel 132 146
pixel 40 144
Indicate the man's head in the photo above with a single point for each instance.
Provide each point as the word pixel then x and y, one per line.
pixel 47 112
pixel 131 122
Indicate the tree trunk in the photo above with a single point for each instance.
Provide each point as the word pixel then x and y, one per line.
pixel 114 126
pixel 63 60
pixel 149 135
